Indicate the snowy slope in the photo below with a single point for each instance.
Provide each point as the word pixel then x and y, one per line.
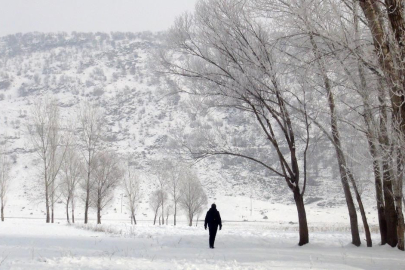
pixel 114 70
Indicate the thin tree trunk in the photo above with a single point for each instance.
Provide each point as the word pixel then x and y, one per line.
pixel 98 213
pixel 338 147
pixel 175 213
pixel 2 211
pixel 343 175
pixel 163 217
pixel 133 217
pixel 73 210
pixel 52 212
pixel 48 216
pixel 154 220
pixel 87 202
pixel 362 211
pixel 67 210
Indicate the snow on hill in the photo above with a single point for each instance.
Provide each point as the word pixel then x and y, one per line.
pixel 114 70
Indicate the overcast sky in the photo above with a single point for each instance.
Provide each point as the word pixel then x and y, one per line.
pixel 89 15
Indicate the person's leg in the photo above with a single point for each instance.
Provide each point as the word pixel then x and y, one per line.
pixel 214 233
pixel 211 236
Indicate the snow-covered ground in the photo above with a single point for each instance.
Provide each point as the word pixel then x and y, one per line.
pixel 32 244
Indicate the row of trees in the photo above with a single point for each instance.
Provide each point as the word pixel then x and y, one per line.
pixel 74 161
pixel 73 157
pixel 184 189
pixel 295 69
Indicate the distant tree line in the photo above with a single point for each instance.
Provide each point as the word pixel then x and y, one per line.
pixel 76 163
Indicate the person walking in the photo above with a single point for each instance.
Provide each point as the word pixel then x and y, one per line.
pixel 213 220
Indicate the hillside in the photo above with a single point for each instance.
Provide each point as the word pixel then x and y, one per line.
pixel 115 71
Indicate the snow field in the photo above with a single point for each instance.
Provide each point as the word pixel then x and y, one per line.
pixel 32 244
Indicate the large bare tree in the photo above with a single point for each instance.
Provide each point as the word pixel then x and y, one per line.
pixel 229 57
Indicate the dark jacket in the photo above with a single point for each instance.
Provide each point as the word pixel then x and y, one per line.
pixel 213 218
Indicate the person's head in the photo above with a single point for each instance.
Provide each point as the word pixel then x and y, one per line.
pixel 214 206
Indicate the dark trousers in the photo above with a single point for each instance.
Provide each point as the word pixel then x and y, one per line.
pixel 213 232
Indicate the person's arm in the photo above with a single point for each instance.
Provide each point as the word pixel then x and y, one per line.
pixel 206 221
pixel 220 221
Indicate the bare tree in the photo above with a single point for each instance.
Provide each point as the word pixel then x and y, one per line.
pixel 72 175
pixel 194 198
pixel 44 131
pixel 132 191
pixel 162 169
pixel 155 202
pixel 107 175
pixel 5 167
pixel 169 209
pixel 230 59
pixel 90 130
pixel 176 175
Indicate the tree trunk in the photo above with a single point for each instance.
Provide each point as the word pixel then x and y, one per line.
pixel 302 218
pixel 338 146
pixel 2 212
pixel 133 217
pixel 379 193
pixel 371 139
pixel 98 213
pixel 163 217
pixel 388 178
pixel 398 200
pixel 342 167
pixel 401 226
pixel 362 212
pixel 67 210
pixel 86 205
pixel 48 216
pixel 190 217
pixel 52 211
pixel 73 210
pixel 175 213
pixel 154 220
pixel 390 212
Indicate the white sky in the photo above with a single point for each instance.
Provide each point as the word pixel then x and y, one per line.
pixel 89 15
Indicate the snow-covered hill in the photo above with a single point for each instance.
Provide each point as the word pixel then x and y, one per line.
pixel 115 71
